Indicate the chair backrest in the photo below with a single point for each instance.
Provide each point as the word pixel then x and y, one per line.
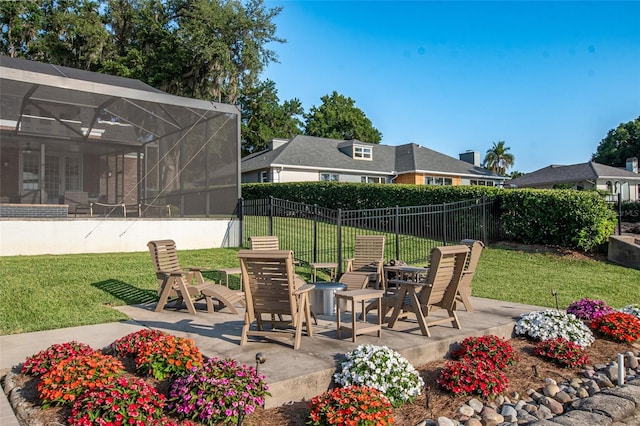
pixel 475 247
pixel 164 256
pixel 355 280
pixel 268 279
pixel 269 242
pixel 443 278
pixel 75 198
pixel 368 251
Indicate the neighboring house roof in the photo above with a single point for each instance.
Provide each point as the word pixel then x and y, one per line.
pixel 310 152
pixel 573 173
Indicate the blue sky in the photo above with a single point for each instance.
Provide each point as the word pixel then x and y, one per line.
pixel 548 78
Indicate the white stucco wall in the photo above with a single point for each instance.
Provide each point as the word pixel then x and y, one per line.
pixel 299 176
pixel 73 236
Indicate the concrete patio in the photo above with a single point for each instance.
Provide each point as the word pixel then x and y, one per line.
pixel 292 375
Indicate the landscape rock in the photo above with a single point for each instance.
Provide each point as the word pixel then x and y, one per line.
pixel 551 390
pixel 580 418
pixel 562 397
pixel 614 407
pixel 475 404
pixel 632 393
pixel 466 410
pixel 631 360
pixel 554 406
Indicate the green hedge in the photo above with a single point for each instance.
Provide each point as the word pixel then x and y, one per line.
pixel 567 218
pixel 356 196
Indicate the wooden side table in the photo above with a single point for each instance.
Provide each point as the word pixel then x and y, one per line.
pixel 330 266
pixel 229 271
pixel 359 296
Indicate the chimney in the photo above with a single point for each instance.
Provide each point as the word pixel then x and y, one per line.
pixel 471 157
pixel 632 165
pixel 277 143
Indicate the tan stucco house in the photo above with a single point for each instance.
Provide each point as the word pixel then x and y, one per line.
pixel 308 158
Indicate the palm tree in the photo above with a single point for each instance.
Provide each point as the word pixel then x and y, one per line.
pixel 497 159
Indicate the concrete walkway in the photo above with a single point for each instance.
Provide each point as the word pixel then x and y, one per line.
pixel 292 375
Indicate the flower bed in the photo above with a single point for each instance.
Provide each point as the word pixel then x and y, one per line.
pixel 94 388
pixel 381 368
pixel 549 324
pixel 478 369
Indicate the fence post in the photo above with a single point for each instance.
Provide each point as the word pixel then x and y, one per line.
pixel 339 240
pixel 444 224
pixel 484 220
pixel 619 213
pixel 240 210
pixel 315 232
pixel 270 215
pixel 397 230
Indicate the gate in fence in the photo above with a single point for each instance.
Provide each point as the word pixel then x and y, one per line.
pixel 319 234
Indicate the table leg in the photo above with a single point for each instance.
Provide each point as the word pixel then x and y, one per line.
pixel 338 303
pixel 353 320
pixel 379 316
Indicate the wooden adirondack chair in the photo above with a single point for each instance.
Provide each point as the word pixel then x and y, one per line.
pixel 368 257
pixel 438 290
pixel 267 242
pixel 273 297
pixel 178 283
pixel 464 290
pixel 355 281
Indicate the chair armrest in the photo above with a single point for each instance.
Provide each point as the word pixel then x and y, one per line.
pixel 198 268
pixel 349 264
pixel 172 273
pixel 303 289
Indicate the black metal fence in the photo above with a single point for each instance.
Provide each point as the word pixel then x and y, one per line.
pixel 318 234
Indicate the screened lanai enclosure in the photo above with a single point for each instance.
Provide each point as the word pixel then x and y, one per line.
pixel 113 146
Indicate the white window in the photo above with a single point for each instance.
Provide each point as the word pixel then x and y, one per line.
pixel 437 180
pixel 482 182
pixel 264 176
pixel 373 179
pixel 329 177
pixel 30 171
pixel 362 152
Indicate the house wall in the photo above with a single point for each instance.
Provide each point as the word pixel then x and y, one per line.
pixel 410 178
pixel 91 179
pixel 299 176
pixel 75 236
pixel 127 190
pixel 629 191
pixel 9 175
pixel 418 178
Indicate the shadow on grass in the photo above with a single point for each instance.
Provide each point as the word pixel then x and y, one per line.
pixel 126 293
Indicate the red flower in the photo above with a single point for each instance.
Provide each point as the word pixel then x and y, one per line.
pixel 351 405
pixel 478 370
pixel 618 326
pixel 563 352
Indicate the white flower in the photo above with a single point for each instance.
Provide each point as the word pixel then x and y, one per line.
pixel 633 309
pixel 381 368
pixel 549 324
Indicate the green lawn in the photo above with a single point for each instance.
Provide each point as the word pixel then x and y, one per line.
pixel 47 292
